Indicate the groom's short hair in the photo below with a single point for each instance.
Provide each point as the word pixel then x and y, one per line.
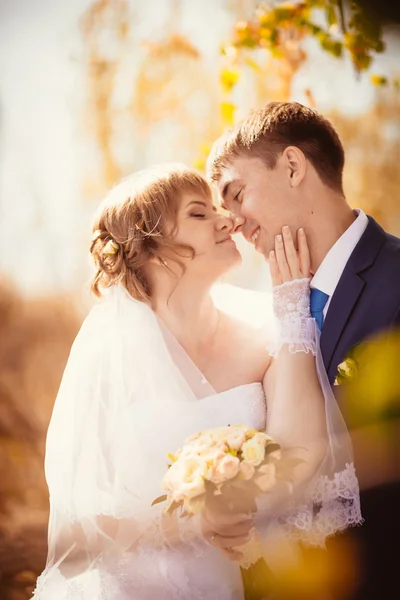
pixel 266 132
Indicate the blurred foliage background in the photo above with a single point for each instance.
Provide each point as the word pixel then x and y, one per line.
pixel 95 89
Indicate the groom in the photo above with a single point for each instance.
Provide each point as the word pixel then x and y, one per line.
pixel 283 165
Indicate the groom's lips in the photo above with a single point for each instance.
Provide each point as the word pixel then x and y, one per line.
pixel 253 237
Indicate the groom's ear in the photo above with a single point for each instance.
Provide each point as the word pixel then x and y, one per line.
pixel 296 165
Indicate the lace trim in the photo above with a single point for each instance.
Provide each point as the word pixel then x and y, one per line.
pixel 334 506
pixel 297 329
pixel 292 299
pixel 51 584
pixel 298 335
pixel 292 283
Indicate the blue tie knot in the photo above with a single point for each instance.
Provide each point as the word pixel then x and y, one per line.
pixel 318 301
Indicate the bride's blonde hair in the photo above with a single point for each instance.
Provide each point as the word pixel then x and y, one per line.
pixel 136 221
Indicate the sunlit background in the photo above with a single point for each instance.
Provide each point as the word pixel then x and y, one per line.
pixel 93 90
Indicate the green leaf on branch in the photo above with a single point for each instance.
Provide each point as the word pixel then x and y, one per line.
pixel 379 80
pixel 331 15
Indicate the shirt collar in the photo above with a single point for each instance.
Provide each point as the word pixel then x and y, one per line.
pixel 330 270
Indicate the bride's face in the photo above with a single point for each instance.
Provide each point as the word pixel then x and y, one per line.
pixel 209 234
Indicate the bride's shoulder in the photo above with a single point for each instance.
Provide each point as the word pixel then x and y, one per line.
pixel 243 335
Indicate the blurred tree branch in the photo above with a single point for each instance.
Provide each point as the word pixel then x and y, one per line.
pixel 279 30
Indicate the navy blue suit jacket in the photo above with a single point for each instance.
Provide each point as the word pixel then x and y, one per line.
pixel 366 302
pixel 367 298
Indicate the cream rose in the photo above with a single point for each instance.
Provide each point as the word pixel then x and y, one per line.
pixel 253 451
pixel 235 439
pixel 247 470
pixel 223 468
pixel 266 477
pixel 185 478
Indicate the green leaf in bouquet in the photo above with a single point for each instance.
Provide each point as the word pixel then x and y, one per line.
pixel 171 507
pixel 159 500
pixel 271 447
pixel 192 506
pixel 286 466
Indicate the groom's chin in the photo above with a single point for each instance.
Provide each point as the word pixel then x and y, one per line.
pixel 262 250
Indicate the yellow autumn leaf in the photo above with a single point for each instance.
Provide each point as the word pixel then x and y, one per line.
pixel 228 112
pixel 229 78
pixel 378 80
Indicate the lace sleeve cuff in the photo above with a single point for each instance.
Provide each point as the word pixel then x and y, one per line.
pixel 298 335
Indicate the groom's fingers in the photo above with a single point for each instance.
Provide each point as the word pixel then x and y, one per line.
pixel 304 253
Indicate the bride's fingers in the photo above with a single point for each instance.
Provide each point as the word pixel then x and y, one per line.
pixel 223 542
pixel 231 530
pixel 281 259
pixel 291 253
pixel 304 253
pixel 274 269
pixel 233 555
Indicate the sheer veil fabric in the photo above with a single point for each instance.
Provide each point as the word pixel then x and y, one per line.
pixel 129 396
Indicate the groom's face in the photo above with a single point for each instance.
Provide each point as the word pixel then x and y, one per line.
pixel 262 196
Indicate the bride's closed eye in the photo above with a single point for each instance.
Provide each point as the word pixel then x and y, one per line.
pixel 236 198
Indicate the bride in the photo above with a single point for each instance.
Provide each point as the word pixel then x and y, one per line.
pixel 155 362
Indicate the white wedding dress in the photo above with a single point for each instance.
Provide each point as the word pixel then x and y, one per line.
pixel 193 573
pixel 129 396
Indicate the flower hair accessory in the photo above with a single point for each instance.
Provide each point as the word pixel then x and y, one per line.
pixel 111 248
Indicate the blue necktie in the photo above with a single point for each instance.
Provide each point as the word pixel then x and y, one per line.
pixel 318 301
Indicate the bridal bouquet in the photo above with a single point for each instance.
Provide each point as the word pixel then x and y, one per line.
pixel 215 459
pixel 231 465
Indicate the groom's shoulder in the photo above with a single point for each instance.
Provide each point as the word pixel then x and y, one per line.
pixel 377 257
pixel 393 243
pixel 389 244
pixel 391 249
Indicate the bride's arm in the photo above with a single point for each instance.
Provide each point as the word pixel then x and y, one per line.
pixel 296 415
pixel 303 416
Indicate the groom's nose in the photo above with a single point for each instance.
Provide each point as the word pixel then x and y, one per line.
pixel 238 222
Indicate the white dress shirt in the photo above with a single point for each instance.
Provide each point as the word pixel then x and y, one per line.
pixel 330 270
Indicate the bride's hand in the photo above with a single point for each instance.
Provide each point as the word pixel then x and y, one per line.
pixel 285 262
pixel 227 532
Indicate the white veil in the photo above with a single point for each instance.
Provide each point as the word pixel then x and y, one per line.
pixel 108 440
pixel 330 502
pixel 111 430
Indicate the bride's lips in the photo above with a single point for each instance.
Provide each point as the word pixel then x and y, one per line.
pixel 227 239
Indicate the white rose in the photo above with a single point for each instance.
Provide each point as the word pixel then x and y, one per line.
pixel 235 439
pixel 185 478
pixel 204 444
pixel 224 467
pixel 266 477
pixel 246 469
pixel 253 451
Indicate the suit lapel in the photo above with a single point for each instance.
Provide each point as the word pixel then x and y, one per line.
pixel 350 288
pixel 343 301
